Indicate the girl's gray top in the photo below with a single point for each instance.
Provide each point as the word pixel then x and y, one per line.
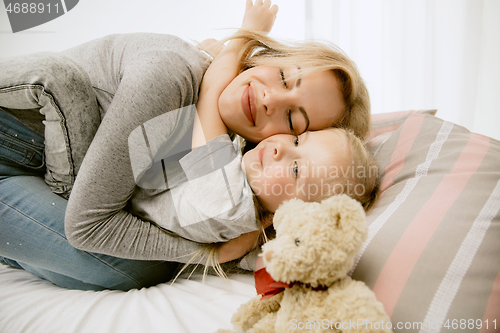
pixel 147 82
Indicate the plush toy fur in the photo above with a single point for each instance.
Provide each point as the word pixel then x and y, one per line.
pixel 314 248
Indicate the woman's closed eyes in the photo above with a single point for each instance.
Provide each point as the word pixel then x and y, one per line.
pixel 283 80
pixel 289 112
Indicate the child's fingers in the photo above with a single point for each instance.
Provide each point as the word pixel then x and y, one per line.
pixel 274 9
pixel 259 15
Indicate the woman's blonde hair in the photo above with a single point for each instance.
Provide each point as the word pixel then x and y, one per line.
pixel 312 57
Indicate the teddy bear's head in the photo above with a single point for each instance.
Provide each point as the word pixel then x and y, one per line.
pixel 315 243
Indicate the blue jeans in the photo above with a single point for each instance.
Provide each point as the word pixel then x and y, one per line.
pixel 32 217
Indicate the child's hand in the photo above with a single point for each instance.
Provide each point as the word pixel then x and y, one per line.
pixel 212 46
pixel 259 16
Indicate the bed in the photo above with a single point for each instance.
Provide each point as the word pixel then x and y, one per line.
pixel 432 255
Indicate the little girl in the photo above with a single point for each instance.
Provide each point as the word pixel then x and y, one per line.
pixel 213 194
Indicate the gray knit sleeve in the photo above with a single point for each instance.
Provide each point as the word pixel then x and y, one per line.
pixel 97 217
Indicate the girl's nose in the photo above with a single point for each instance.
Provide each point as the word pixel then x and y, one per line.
pixel 279 151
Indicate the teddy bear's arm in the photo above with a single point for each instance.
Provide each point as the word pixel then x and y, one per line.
pixel 254 310
pixel 265 325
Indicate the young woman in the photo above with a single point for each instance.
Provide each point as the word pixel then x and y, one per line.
pixel 127 80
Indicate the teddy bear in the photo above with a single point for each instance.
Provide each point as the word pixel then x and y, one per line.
pixel 307 267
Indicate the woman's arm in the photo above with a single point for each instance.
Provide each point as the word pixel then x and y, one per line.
pixel 223 69
pixel 154 80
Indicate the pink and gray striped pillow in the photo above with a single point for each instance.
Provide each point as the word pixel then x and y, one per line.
pixel 433 252
pixel 389 122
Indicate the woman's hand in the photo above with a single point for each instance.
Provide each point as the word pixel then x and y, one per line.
pixel 259 16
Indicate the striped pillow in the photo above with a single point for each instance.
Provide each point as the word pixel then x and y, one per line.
pixel 389 122
pixel 432 256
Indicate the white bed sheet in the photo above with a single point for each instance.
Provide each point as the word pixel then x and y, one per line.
pixel 30 304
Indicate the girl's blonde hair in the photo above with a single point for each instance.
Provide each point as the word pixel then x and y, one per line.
pixel 360 179
pixel 312 57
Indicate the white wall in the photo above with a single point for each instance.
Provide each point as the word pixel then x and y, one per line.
pixel 189 19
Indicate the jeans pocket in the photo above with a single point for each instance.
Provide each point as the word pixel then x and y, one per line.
pixel 21 152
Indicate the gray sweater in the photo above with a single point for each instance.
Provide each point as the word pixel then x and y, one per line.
pixel 137 77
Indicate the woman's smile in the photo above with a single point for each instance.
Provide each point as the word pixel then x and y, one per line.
pixel 252 103
pixel 245 104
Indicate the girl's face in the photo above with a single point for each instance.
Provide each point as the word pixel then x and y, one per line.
pixel 284 166
pixel 263 101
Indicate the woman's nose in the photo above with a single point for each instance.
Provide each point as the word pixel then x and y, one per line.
pixel 274 100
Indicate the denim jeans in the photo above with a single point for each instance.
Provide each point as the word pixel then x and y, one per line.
pixel 31 215
pixel 54 87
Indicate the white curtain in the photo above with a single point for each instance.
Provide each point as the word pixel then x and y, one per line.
pixel 420 54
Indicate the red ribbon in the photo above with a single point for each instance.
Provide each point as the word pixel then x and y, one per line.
pixel 266 286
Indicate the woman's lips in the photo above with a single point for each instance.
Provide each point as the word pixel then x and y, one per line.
pixel 253 105
pixel 247 104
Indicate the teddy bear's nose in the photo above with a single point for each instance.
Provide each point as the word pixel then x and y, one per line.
pixel 268 255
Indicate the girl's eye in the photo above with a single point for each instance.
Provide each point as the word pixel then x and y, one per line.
pixel 282 74
pixel 295 170
pixel 296 141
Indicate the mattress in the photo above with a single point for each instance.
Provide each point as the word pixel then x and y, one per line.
pixel 31 304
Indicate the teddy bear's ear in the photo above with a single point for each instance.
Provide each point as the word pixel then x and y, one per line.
pixel 287 209
pixel 345 209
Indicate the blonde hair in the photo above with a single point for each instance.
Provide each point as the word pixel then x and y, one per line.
pixel 360 179
pixel 312 57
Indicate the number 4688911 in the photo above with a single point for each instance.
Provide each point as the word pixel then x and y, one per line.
pixel 470 324
pixel 31 8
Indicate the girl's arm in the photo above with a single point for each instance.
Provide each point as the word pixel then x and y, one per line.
pixel 208 123
pixel 238 247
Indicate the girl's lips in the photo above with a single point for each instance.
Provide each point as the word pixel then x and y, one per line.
pixel 246 104
pixel 261 154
